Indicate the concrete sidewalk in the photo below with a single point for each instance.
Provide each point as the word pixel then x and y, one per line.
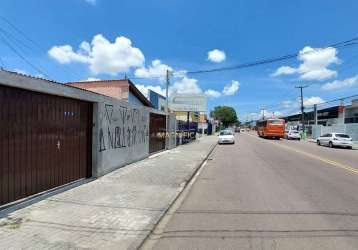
pixel 116 211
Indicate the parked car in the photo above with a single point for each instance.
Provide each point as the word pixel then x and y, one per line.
pixel 335 140
pixel 237 130
pixel 226 137
pixel 242 130
pixel 292 135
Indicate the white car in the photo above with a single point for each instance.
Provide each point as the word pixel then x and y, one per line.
pixel 335 140
pixel 226 137
pixel 292 135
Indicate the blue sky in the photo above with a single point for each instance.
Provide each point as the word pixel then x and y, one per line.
pixel 180 34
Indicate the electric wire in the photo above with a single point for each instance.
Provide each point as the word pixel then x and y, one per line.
pixel 8 44
pixel 36 46
pixel 343 44
pixel 2 63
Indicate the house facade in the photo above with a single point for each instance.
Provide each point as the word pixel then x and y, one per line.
pixel 124 90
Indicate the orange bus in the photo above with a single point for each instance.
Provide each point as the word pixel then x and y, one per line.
pixel 271 128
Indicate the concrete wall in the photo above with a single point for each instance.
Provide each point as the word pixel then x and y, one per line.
pixel 132 99
pixel 172 128
pixel 121 135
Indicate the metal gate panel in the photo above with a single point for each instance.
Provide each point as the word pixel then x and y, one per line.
pixel 157 132
pixel 45 142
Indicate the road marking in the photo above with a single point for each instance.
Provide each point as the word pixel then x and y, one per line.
pixel 334 163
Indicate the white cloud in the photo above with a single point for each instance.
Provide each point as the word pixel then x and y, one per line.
pixel 180 73
pixel 232 88
pixel 307 101
pixel 266 113
pixel 289 104
pixel 65 54
pixel 314 66
pixel 24 72
pixel 212 93
pixel 89 79
pixel 339 84
pixel 216 56
pixel 312 100
pixel 144 89
pixel 20 71
pixel 284 70
pixel 186 86
pixel 101 55
pixel 156 69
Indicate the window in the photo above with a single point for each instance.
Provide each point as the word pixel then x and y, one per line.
pixel 275 122
pixel 261 123
pixel 342 136
pixel 226 132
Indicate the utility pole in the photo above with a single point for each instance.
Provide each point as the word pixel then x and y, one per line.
pixel 167 108
pixel 301 87
pixel 263 113
pixel 315 114
pixel 167 91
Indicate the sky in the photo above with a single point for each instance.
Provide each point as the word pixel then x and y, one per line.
pixel 77 40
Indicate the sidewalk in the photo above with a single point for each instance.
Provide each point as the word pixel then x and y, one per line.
pixel 116 211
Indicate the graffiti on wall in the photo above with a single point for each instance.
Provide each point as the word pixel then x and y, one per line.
pixel 122 127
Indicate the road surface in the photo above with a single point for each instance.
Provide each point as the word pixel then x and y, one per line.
pixel 269 194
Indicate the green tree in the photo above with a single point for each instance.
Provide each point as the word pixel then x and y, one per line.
pixel 225 114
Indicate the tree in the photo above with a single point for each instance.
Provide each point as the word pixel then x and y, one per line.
pixel 225 114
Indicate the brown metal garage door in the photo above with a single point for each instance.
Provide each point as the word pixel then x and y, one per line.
pixel 157 131
pixel 44 142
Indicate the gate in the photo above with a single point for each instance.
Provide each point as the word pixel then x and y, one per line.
pixel 45 142
pixel 157 132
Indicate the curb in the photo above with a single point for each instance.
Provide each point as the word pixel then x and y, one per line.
pixel 183 187
pixel 35 198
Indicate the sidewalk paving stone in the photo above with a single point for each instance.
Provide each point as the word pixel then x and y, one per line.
pixel 116 211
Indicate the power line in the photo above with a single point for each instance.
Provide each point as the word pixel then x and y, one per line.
pixel 343 44
pixel 277 59
pixel 20 32
pixel 2 62
pixel 22 57
pixel 28 38
pixel 11 36
pixel 335 100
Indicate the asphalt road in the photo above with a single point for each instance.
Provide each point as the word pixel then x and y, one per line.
pixel 269 194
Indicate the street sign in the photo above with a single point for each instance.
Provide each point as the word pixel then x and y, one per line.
pixel 188 102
